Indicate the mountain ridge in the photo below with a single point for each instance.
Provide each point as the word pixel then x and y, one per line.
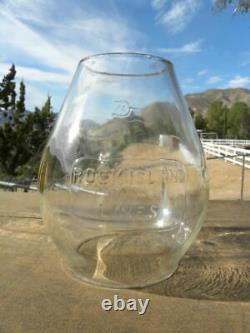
pixel 200 101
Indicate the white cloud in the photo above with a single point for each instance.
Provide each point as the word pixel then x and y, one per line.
pixel 34 74
pixel 36 11
pixel 35 96
pixel 158 4
pixel 202 72
pixel 188 80
pixel 32 44
pixel 214 79
pixel 56 44
pixel 180 14
pixel 239 81
pixel 245 56
pixel 46 40
pixel 192 47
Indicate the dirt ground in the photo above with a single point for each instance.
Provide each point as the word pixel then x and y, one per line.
pixel 209 291
pixel 225 181
pixel 224 177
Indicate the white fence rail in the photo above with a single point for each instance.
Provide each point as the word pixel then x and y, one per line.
pixel 228 142
pixel 227 152
pixel 14 186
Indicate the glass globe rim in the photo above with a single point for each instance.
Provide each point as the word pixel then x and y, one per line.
pixel 165 63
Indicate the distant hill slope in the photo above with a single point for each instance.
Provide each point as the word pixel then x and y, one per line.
pixel 200 101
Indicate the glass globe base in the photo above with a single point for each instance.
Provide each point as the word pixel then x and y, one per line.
pixel 122 261
pixel 114 285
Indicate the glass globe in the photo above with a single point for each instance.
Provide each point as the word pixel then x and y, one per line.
pixel 123 175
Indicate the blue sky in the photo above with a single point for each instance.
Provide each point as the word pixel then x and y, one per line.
pixel 47 38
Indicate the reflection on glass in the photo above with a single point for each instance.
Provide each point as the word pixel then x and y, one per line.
pixel 123 174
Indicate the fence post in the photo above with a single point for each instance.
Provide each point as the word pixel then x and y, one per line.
pixel 242 177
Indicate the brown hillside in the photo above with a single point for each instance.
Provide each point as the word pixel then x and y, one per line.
pixel 200 101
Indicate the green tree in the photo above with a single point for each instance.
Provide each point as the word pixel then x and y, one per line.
pixel 138 131
pixel 38 126
pixel 22 137
pixel 20 104
pixel 8 134
pixel 200 121
pixel 216 118
pixel 8 95
pixel 242 6
pixel 191 112
pixel 239 121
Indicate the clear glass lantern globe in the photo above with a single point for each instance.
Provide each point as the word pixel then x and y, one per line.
pixel 123 175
